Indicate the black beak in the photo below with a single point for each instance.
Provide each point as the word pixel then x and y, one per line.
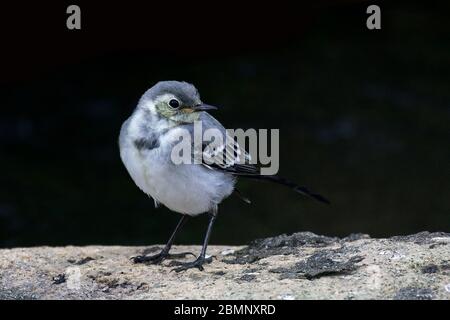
pixel 204 107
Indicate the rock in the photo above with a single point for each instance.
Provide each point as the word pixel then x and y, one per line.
pixel 298 266
pixel 322 263
pixel 413 293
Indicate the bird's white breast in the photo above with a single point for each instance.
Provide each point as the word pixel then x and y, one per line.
pixel 186 188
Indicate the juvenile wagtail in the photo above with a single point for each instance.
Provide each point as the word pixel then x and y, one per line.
pixel 146 141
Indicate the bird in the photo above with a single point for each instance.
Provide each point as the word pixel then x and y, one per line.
pixel 146 142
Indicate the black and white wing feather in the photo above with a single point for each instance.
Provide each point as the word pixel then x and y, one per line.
pixel 223 154
pixel 226 155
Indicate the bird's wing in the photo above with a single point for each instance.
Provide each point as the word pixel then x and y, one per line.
pixel 226 156
pixel 223 154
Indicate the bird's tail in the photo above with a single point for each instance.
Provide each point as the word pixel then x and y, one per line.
pixel 300 189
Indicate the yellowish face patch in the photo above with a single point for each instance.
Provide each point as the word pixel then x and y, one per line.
pixel 187 110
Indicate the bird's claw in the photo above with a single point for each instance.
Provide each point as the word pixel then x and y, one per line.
pixel 154 259
pixel 158 258
pixel 197 263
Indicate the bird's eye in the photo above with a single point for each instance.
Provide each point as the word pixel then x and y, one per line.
pixel 174 103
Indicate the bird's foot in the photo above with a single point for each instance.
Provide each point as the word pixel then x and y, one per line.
pixel 197 263
pixel 153 259
pixel 158 258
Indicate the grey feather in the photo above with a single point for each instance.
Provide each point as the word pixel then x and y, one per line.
pixel 186 92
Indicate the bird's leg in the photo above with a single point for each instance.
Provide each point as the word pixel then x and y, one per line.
pixel 198 263
pixel 157 258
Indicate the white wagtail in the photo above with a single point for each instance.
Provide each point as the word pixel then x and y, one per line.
pixel 146 142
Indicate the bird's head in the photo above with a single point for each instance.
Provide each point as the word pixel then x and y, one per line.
pixel 174 100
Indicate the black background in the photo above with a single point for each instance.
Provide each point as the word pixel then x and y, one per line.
pixel 363 115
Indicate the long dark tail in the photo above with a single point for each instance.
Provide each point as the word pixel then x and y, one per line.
pixel 302 190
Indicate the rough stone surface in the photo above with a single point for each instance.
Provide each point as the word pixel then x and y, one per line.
pixel 299 266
